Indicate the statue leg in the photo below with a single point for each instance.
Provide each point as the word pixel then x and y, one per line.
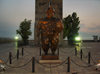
pixel 45 49
pixel 54 45
pixel 45 46
pixel 53 49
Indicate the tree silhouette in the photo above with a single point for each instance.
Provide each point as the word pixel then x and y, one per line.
pixel 71 27
pixel 24 30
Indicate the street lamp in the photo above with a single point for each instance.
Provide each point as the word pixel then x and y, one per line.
pixel 78 43
pixel 16 42
pixel 16 37
pixel 77 38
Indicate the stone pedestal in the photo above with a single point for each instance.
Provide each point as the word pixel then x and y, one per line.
pixel 50 61
pixel 49 57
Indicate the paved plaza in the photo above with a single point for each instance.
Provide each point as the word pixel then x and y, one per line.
pixel 77 65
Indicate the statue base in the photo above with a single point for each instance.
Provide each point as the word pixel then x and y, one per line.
pixel 49 57
pixel 50 61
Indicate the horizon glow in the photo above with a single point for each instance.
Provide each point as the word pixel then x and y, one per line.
pixel 12 12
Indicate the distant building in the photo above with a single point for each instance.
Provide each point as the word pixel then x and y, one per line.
pixel 95 38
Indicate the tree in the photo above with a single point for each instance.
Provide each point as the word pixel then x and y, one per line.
pixel 24 30
pixel 71 27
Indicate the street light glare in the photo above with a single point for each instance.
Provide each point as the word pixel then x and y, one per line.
pixel 16 37
pixel 77 38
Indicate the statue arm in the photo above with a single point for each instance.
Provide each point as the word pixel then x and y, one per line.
pixel 59 26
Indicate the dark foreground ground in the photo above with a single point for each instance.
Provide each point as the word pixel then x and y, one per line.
pixel 24 64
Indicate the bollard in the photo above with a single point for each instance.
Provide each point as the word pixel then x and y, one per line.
pixel 17 54
pixel 89 58
pixel 68 66
pixel 33 64
pixel 22 51
pixel 10 58
pixel 58 51
pixel 81 54
pixel 40 51
pixel 75 51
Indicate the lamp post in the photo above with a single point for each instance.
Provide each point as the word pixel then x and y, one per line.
pixel 78 43
pixel 16 42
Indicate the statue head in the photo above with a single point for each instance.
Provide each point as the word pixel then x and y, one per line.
pixel 50 11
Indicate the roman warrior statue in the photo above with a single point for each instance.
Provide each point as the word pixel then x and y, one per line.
pixel 49 29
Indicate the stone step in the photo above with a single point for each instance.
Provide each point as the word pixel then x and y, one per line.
pixel 50 61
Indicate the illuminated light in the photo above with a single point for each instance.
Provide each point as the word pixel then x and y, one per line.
pixel 16 37
pixel 98 64
pixel 77 38
pixel 78 43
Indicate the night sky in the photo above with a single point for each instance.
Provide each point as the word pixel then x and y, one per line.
pixel 12 12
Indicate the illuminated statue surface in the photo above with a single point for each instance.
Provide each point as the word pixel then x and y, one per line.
pixel 49 29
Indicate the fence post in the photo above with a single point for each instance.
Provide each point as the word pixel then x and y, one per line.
pixel 22 51
pixel 17 54
pixel 33 64
pixel 40 51
pixel 68 66
pixel 10 58
pixel 75 51
pixel 89 57
pixel 81 54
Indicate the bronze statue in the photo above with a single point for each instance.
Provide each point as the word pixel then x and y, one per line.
pixel 49 29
